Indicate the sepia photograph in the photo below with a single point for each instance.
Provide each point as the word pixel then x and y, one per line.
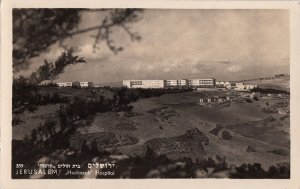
pixel 150 93
pixel 146 95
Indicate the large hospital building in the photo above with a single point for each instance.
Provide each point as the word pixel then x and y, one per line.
pixel 159 84
pixel 145 84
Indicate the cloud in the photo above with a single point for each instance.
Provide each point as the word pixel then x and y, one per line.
pixel 135 67
pixel 166 70
pixel 195 71
pixel 234 68
pixel 225 62
pixel 221 43
pixel 149 67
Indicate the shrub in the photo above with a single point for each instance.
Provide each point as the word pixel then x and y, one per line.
pixel 226 135
pixel 249 100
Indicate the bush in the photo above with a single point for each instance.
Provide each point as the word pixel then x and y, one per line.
pixel 249 100
pixel 269 91
pixel 226 135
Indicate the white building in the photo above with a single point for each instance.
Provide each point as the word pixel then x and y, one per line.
pixel 223 84
pixel 219 84
pixel 64 84
pixel 157 84
pixel 251 86
pixel 205 100
pixel 127 83
pixel 202 82
pixel 86 84
pixel 171 83
pixel 144 84
pixel 227 85
pixel 243 87
pixel 182 82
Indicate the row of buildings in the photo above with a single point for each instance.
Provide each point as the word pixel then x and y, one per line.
pixel 83 84
pixel 202 84
pixel 191 83
pixel 236 96
pixel 160 84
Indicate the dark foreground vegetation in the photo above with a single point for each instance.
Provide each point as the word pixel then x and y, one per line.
pixel 150 165
pixel 269 91
pixel 26 96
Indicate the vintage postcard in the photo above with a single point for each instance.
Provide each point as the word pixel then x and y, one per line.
pixel 129 94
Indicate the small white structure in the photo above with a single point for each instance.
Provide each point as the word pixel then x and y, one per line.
pixel 283 111
pixel 228 98
pixel 86 84
pixel 127 83
pixel 220 84
pixel 64 84
pixel 239 86
pixel 223 84
pixel 255 94
pixel 227 85
pixel 205 100
pixel 243 87
pixel 69 84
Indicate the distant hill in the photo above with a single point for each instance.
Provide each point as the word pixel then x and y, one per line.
pixel 280 82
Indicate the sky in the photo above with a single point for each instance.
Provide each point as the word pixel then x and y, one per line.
pixel 177 44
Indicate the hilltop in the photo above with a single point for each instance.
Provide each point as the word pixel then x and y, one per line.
pixel 279 82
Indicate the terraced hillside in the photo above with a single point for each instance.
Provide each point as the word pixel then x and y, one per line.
pixel 279 83
pixel 162 123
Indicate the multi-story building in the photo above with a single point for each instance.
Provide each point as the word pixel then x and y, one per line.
pixel 86 84
pixel 145 84
pixel 61 84
pixel 207 83
pixel 195 83
pixel 182 82
pixel 171 83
